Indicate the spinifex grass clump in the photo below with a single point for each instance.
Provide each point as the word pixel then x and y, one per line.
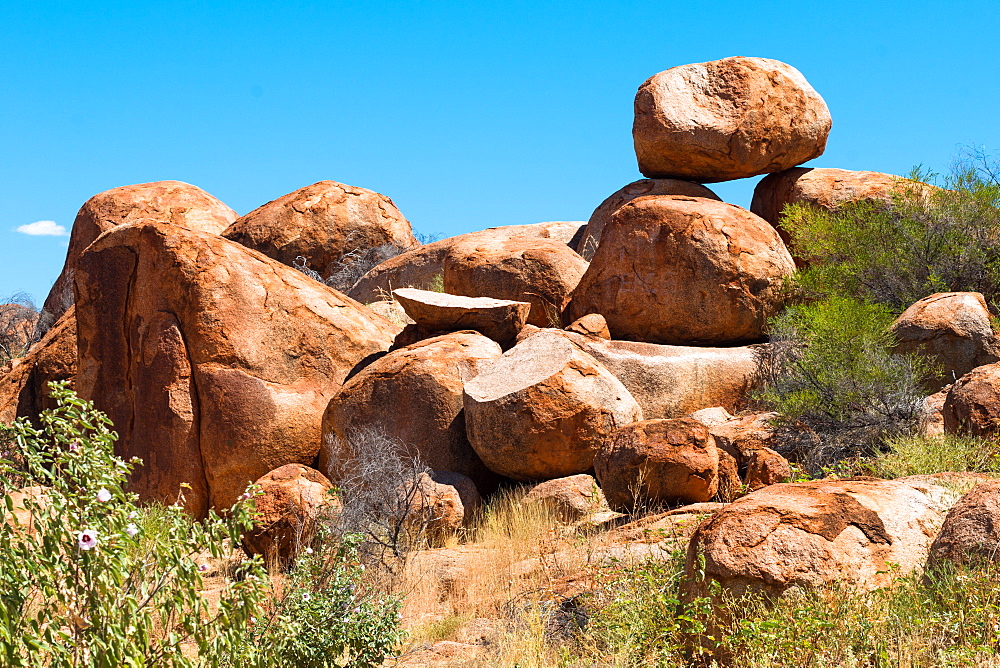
pixel 81 583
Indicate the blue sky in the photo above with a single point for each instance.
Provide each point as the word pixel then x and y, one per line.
pixel 468 115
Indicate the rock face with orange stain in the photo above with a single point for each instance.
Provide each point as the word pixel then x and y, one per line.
pixel 214 362
pixel 542 410
pixel 972 405
pixel 322 223
pixel 497 319
pixel 413 395
pixel 727 119
pixel 684 270
pixel 291 498
pixel 24 390
pixel 862 533
pixel 658 461
pixel 171 202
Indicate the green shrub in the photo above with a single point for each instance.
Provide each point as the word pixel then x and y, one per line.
pixel 926 240
pixel 325 617
pixel 919 455
pixel 86 586
pixel 831 366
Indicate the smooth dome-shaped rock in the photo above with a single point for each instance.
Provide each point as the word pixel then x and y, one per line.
pixel 972 405
pixel 828 189
pixel 214 362
pixel 658 461
pixel 727 119
pixel 543 409
pixel 570 499
pixel 323 223
pixel 971 531
pixel 413 395
pixel 587 244
pixel 171 202
pixel 684 270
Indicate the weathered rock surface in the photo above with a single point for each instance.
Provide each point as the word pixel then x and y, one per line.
pixel 820 532
pixel 972 405
pixel 443 502
pixel 825 188
pixel 658 461
pixel 674 381
pixel 971 531
pixel 570 499
pixel 24 502
pixel 414 395
pixel 932 414
pixel 684 270
pixel 291 498
pixel 542 410
pixel 953 329
pixel 423 267
pixel 744 436
pixel 24 389
pixel 591 237
pixel 727 119
pixel 171 202
pixel 593 325
pixel 214 362
pixel 766 467
pixel 497 319
pixel 539 271
pixel 323 223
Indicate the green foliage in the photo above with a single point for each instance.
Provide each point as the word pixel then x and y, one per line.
pixel 919 455
pixel 325 617
pixel 85 585
pixel 832 367
pixel 926 240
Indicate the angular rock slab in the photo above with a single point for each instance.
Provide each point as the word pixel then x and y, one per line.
pixel 818 533
pixel 497 319
pixel 214 362
pixel 171 202
pixel 543 409
pixel 684 271
pixel 727 119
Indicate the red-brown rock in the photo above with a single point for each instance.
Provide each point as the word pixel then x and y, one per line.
pixel 322 223
pixel 684 270
pixel 497 319
pixel 971 531
pixel 290 499
pixel 413 395
pixel 828 189
pixel 727 119
pixel 658 461
pixel 443 502
pixel 593 325
pixel 591 237
pixel 972 405
pixel 24 390
pixel 543 409
pixel 570 499
pixel 171 202
pixel 214 362
pixel 766 467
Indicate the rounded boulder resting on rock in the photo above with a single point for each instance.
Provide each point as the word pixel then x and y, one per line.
pixel 570 499
pixel 684 270
pixel 291 499
pixel 323 223
pixel 971 531
pixel 542 410
pixel 441 502
pixel 972 405
pixel 828 189
pixel 497 319
pixel 727 119
pixel 658 461
pixel 414 395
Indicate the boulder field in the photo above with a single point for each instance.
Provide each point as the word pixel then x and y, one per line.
pixel 610 365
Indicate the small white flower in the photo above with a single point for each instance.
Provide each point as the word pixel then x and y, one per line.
pixel 306 596
pixel 131 529
pixel 202 567
pixel 74 446
pixel 103 495
pixel 87 540
pixel 309 550
pixel 132 515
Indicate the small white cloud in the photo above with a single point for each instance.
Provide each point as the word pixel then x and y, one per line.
pixel 43 228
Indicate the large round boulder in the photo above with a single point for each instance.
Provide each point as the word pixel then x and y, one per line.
pixel 828 189
pixel 171 202
pixel 684 270
pixel 972 405
pixel 323 223
pixel 587 243
pixel 214 362
pixel 656 462
pixel 727 119
pixel 413 395
pixel 290 500
pixel 953 329
pixel 859 533
pixel 543 409
pixel 971 531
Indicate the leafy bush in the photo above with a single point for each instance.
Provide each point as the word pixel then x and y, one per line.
pixel 831 367
pixel 926 240
pixel 920 455
pixel 325 616
pixel 84 585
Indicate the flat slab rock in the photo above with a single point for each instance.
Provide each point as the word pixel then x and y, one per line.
pixel 499 319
